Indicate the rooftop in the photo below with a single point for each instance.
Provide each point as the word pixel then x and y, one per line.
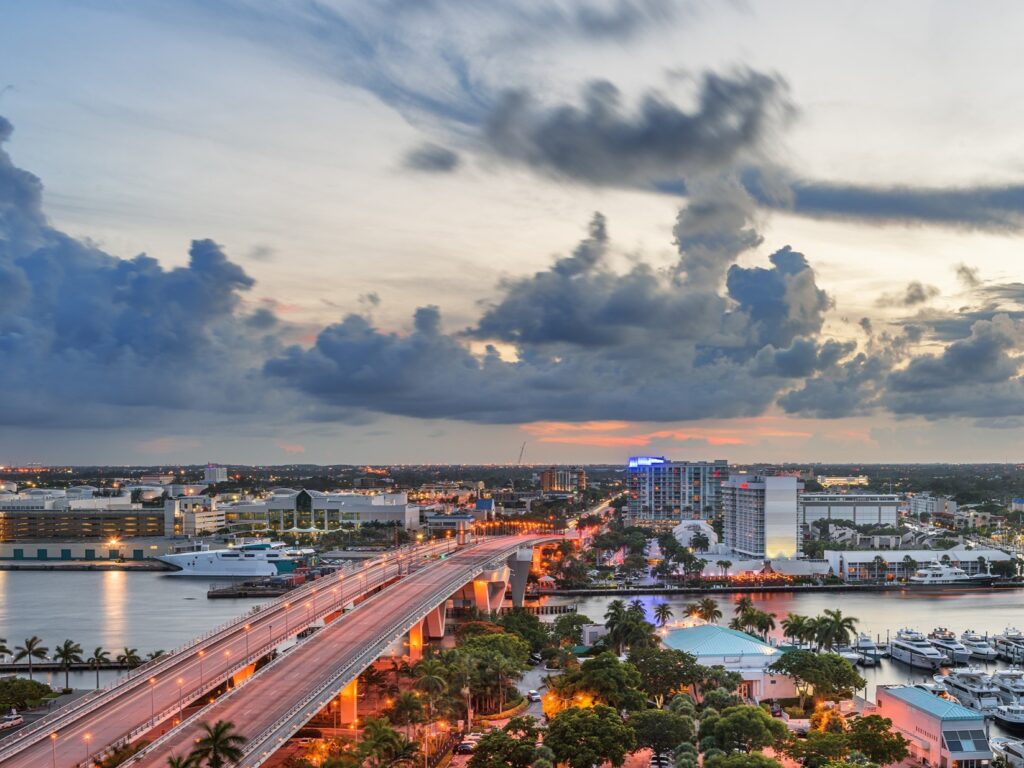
pixel 933 705
pixel 712 640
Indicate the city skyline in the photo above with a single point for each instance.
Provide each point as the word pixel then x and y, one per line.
pixel 433 232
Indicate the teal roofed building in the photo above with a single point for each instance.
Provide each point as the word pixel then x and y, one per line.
pixel 751 656
pixel 943 733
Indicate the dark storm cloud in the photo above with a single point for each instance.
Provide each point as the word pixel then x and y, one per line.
pixel 915 293
pixel 81 330
pixel 431 158
pixel 600 141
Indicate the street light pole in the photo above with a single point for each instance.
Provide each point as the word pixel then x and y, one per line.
pixel 152 699
pixel 202 679
pixel 247 628
pixel 53 748
pixel 87 738
pixel 180 709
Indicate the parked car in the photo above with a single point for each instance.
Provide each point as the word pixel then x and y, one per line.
pixel 532 696
pixel 465 748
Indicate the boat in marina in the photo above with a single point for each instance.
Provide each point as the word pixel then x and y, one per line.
pixel 972 688
pixel 911 647
pixel 946 642
pixel 979 646
pixel 936 689
pixel 1010 645
pixel 1010 716
pixel 941 575
pixel 1010 750
pixel 1010 683
pixel 248 560
pixel 867 647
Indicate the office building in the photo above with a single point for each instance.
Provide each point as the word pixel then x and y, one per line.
pixel 762 518
pixel 857 508
pixel 932 506
pixel 193 516
pixel 663 493
pixel 302 510
pixel 214 474
pixel 563 480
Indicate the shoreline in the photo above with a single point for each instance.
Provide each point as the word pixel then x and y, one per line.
pixel 85 565
pixel 639 591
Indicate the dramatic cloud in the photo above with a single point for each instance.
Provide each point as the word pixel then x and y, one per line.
pixel 81 330
pixel 600 142
pixel 431 158
pixel 968 275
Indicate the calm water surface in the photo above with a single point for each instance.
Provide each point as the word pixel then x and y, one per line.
pixel 112 609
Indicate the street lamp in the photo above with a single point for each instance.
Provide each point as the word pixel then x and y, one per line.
pixel 247 628
pixel 180 710
pixel 53 748
pixel 152 698
pixel 202 679
pixel 87 738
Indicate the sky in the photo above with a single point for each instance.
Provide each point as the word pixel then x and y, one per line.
pixel 276 231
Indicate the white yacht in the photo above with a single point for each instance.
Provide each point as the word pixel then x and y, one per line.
pixel 937 574
pixel 248 561
pixel 947 643
pixel 1011 750
pixel 1010 716
pixel 913 648
pixel 867 647
pixel 935 689
pixel 1010 683
pixel 978 645
pixel 972 688
pixel 1010 645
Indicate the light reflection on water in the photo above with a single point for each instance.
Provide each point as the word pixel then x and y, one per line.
pixel 111 609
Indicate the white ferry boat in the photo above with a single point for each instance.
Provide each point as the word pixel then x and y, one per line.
pixel 972 688
pixel 978 646
pixel 947 643
pixel 1010 644
pixel 1010 716
pixel 913 648
pixel 1010 750
pixel 937 574
pixel 1010 683
pixel 246 561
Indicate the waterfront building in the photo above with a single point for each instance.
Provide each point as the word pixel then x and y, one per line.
pixel 215 474
pixel 663 493
pixel 941 733
pixel 287 509
pixel 827 481
pixel 193 516
pixel 858 565
pixel 857 508
pixel 563 480
pixel 761 516
pixel 21 525
pixel 738 652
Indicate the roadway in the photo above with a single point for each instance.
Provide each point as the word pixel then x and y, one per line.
pixel 274 703
pixel 156 691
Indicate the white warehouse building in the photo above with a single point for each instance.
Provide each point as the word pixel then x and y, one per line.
pixel 857 508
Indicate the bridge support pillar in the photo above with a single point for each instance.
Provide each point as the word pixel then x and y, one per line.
pixel 520 564
pixel 489 589
pixel 416 642
pixel 435 621
pixel 348 701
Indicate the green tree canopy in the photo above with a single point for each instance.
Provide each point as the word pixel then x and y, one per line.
pixel 748 729
pixel 585 737
pixel 663 671
pixel 660 729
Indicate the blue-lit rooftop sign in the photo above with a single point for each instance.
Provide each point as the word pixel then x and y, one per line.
pixel 645 461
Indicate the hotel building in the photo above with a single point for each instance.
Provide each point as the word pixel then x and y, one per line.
pixel 663 493
pixel 762 515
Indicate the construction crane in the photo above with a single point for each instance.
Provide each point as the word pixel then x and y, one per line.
pixel 520 462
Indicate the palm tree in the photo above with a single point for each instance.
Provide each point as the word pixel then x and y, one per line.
pixel 880 565
pixel 68 653
pixel 186 761
pixel 795 627
pixel 129 657
pixel 663 614
pixel 98 659
pixel 382 745
pixel 615 619
pixel 4 650
pixel 743 605
pixel 709 610
pixel 834 629
pixel 372 679
pixel 909 565
pixel 636 608
pixel 430 678
pixel 155 654
pixel 407 709
pixel 700 542
pixel 220 745
pixel 32 649
pixel 724 565
pixel 764 623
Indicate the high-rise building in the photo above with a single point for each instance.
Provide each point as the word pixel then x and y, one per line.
pixel 663 493
pixel 762 515
pixel 563 480
pixel 214 474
